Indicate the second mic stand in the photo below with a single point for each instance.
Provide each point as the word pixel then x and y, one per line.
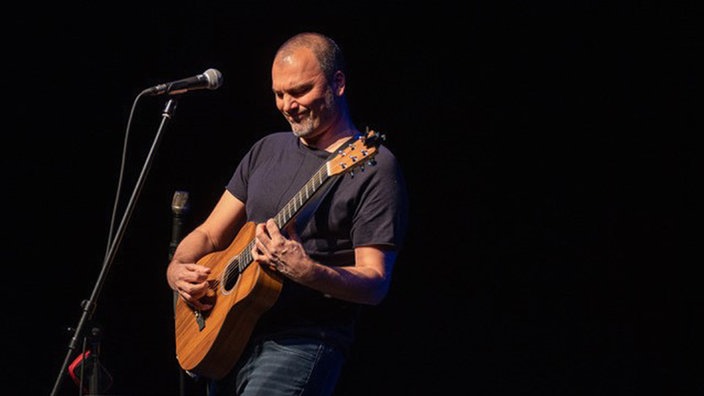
pixel 90 304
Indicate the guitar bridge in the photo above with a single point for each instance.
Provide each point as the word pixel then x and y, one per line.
pixel 200 320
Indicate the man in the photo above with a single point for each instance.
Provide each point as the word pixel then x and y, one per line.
pixel 331 264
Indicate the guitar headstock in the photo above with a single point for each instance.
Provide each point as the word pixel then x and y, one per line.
pixel 356 153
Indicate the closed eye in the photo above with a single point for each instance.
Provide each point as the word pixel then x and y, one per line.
pixel 295 92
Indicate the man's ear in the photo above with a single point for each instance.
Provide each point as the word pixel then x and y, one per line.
pixel 339 83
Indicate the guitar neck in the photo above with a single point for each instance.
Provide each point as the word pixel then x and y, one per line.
pixel 298 201
pixel 284 217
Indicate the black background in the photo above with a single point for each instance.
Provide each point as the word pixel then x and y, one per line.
pixel 549 149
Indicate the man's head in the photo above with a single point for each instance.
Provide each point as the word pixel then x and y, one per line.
pixel 325 49
pixel 308 81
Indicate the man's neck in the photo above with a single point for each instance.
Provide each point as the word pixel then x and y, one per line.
pixel 331 139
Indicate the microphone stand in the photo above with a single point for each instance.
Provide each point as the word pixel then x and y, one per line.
pixel 90 304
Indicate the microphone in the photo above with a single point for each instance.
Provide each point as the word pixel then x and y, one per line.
pixel 209 79
pixel 179 206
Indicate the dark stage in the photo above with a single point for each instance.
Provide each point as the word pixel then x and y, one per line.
pixel 548 148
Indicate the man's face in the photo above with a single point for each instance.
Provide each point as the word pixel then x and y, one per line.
pixel 302 93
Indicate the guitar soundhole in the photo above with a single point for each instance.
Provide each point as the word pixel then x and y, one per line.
pixel 231 275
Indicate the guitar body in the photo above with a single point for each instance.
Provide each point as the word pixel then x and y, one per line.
pixel 213 350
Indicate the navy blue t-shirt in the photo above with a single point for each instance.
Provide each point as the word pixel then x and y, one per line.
pixel 363 208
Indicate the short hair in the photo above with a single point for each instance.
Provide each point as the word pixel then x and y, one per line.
pixel 325 49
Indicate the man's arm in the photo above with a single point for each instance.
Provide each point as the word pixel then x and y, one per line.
pixel 183 274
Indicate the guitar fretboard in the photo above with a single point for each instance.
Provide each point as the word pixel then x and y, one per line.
pixel 288 212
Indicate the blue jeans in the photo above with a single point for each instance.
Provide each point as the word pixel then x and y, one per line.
pixel 289 366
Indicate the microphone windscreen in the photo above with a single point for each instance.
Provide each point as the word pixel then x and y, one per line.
pixel 214 78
